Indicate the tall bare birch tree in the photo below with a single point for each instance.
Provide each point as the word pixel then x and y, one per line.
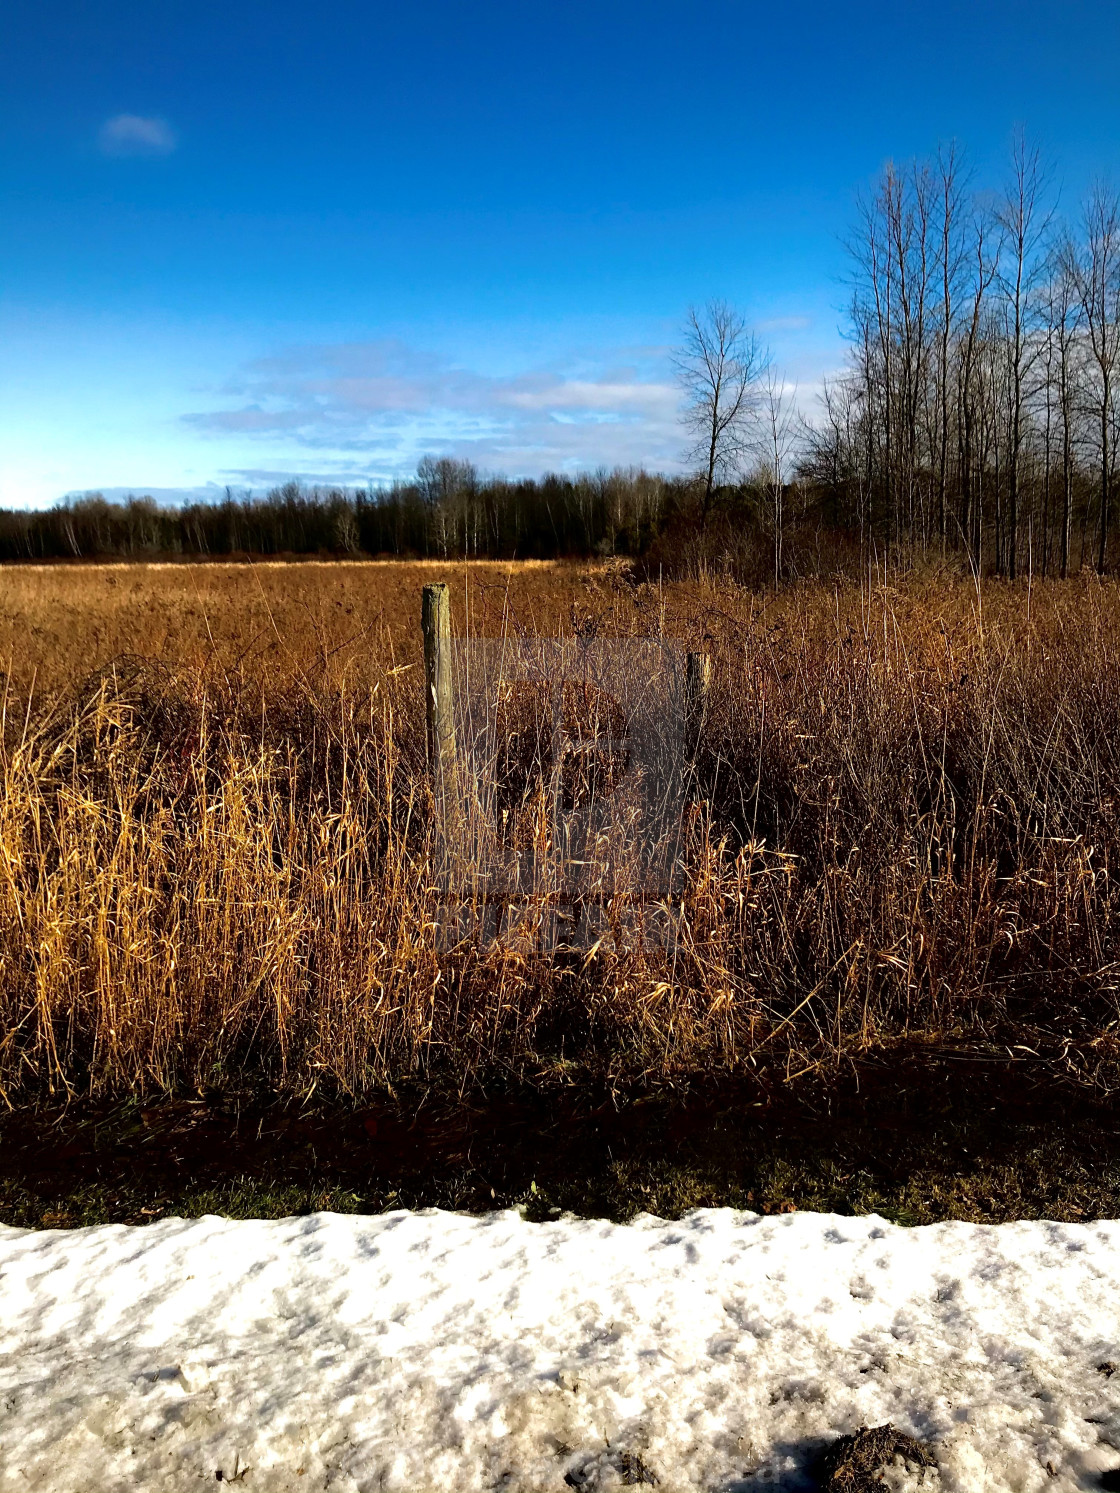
pixel 1025 220
pixel 1094 267
pixel 952 255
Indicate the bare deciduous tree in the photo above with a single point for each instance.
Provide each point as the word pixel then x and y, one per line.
pixel 984 261
pixel 720 367
pixel 1063 381
pixel 1095 270
pixel 952 251
pixel 776 447
pixel 1025 220
pixel 448 488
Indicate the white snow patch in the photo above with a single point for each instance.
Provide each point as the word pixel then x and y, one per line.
pixel 431 1350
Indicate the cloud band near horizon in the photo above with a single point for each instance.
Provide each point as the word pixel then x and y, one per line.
pixel 381 405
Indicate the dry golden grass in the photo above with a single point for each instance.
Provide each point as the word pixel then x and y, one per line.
pixel 220 860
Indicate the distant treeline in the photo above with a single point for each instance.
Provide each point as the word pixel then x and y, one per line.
pixel 451 512
pixel 448 511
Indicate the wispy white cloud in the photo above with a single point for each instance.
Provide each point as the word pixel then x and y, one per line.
pixel 380 405
pixel 135 135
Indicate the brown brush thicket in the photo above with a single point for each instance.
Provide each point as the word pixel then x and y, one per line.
pixel 221 861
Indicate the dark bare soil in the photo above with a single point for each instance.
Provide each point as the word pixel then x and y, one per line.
pixel 855 1463
pixel 916 1140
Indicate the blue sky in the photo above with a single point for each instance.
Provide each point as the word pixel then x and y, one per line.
pixel 251 240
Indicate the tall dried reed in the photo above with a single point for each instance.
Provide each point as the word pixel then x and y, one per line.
pixel 226 866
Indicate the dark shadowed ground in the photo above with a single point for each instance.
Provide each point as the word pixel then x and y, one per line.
pixel 916 1140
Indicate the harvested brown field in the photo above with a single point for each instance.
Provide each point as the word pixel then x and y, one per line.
pixel 222 865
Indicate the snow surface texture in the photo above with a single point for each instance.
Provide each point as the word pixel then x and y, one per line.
pixel 435 1351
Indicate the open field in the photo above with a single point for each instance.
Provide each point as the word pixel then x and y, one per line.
pixel 220 865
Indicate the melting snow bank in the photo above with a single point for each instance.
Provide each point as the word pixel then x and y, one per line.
pixel 434 1351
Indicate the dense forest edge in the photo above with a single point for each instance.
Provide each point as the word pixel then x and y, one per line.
pixel 450 513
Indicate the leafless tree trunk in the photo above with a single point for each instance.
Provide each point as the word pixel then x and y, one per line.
pixel 1062 316
pixel 873 306
pixel 1095 271
pixel 1025 221
pixel 951 255
pixel 985 263
pixel 776 447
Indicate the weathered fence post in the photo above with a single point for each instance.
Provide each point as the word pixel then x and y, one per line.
pixel 436 621
pixel 697 680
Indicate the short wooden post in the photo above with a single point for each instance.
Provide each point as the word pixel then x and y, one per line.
pixel 697 681
pixel 436 622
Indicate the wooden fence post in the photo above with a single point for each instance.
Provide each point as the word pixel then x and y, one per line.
pixel 697 681
pixel 436 622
